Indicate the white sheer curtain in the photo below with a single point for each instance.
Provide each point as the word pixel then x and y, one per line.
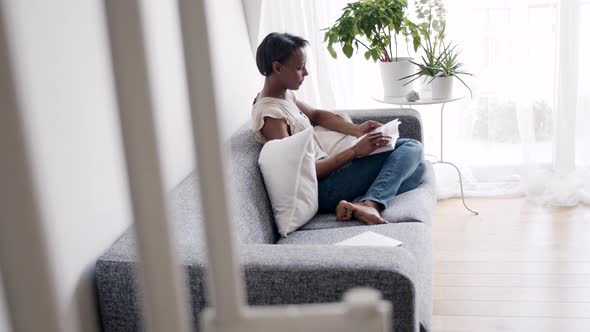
pixel 524 132
pixel 526 129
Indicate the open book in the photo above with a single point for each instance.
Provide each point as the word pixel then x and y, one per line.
pixel 390 129
pixel 370 239
pixel 333 142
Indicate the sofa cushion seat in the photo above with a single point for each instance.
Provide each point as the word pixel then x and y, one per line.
pixel 412 206
pixel 414 235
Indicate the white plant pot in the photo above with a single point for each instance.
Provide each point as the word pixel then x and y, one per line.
pixel 391 72
pixel 442 88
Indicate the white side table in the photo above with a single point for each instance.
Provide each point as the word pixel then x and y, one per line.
pixel 427 100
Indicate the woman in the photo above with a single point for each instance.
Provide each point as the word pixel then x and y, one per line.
pixel 351 183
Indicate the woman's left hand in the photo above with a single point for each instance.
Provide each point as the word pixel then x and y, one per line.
pixel 367 127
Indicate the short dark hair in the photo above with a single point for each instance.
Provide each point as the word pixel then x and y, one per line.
pixel 276 47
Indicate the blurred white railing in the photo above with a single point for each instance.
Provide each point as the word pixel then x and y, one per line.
pixel 29 281
pixel 164 296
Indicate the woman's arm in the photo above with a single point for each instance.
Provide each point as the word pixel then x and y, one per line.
pixel 364 147
pixel 274 128
pixel 278 129
pixel 330 120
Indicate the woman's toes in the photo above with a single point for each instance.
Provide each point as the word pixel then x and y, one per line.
pixel 383 221
pixel 344 211
pixel 368 215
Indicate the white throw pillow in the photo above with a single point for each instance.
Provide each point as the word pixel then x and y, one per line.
pixel 288 169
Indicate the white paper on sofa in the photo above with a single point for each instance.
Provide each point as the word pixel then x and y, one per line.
pixel 370 239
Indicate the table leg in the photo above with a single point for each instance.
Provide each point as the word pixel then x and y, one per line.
pixel 442 108
pixel 460 184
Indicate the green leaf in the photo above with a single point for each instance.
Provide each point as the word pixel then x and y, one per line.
pixel 347 50
pixel 332 52
pixel 465 84
pixel 333 38
pixel 375 54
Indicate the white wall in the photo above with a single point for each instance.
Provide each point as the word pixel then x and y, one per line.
pixel 166 62
pixel 62 65
pixel 238 80
pixel 252 14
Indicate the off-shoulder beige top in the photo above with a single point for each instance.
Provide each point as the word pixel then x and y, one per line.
pixel 282 109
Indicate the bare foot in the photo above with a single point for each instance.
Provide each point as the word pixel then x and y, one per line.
pixel 344 211
pixel 363 211
pixel 367 213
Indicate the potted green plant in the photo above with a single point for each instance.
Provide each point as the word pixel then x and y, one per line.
pixel 431 18
pixel 440 64
pixel 376 25
pixel 449 67
pixel 440 61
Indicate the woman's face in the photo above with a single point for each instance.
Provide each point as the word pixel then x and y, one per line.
pixel 293 71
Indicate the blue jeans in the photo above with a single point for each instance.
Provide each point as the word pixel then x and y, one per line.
pixel 377 177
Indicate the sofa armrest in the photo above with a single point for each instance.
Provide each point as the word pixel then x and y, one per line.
pixel 274 274
pixel 293 274
pixel 411 122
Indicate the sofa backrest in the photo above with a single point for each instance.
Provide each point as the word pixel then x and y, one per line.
pixel 253 212
pixel 253 217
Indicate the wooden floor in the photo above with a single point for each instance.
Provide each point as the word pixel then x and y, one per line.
pixel 515 267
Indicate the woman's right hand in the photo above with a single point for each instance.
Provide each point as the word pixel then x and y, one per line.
pixel 370 143
pixel 365 146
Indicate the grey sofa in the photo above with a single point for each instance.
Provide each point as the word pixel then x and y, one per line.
pixel 302 268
